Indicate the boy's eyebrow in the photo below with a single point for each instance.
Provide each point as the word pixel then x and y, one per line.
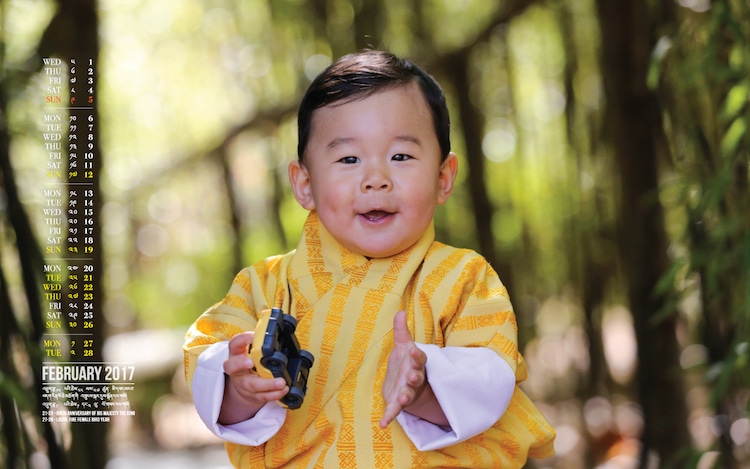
pixel 409 138
pixel 344 140
pixel 339 141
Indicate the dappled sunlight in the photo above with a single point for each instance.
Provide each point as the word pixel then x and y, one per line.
pixel 499 145
pixel 568 438
pixel 168 417
pixel 620 346
pixel 740 434
pixel 559 368
pixel 177 425
pixel 152 240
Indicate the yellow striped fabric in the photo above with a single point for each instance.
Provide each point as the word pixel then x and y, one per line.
pixel 344 304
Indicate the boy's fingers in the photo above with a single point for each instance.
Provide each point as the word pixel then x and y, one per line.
pixel 395 406
pixel 239 343
pixel 239 362
pixel 419 358
pixel 238 365
pixel 391 410
pixel 401 332
pixel 266 390
pixel 262 385
pixel 415 379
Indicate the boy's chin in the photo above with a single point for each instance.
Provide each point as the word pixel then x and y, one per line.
pixel 378 252
pixel 372 252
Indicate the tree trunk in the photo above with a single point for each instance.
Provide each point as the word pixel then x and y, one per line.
pixel 30 258
pixel 472 124
pixel 633 128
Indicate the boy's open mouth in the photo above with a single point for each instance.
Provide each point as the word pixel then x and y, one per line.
pixel 375 215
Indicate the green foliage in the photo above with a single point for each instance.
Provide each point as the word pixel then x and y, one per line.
pixel 735 103
pixel 10 388
pixel 710 157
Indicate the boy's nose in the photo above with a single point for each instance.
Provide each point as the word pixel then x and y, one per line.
pixel 376 179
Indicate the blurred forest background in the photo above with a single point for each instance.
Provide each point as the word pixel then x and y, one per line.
pixel 603 171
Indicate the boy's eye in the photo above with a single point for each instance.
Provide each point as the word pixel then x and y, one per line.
pixel 349 160
pixel 401 157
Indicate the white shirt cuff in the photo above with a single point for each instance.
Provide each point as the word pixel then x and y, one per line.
pixel 208 393
pixel 473 386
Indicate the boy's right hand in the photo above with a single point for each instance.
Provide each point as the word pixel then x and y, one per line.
pixel 244 391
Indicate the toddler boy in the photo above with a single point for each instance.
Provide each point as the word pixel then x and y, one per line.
pixel 415 342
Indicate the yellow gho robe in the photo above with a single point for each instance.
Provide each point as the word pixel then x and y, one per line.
pixel 344 305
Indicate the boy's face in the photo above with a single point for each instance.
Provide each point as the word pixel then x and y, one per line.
pixel 372 170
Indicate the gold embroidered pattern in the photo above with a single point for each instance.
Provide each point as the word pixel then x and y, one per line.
pixel 345 305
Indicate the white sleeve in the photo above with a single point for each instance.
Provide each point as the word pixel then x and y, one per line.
pixel 208 393
pixel 473 386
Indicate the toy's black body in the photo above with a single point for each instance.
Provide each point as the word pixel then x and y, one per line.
pixel 278 355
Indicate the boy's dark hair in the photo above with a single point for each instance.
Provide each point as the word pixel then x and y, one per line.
pixel 357 76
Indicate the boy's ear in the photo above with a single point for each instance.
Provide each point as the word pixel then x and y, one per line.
pixel 447 177
pixel 299 178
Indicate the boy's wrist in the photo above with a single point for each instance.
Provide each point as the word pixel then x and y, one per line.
pixel 426 406
pixel 235 407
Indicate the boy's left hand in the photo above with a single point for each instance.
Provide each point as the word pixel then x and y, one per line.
pixel 405 378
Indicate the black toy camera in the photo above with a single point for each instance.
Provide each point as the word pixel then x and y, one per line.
pixel 276 354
